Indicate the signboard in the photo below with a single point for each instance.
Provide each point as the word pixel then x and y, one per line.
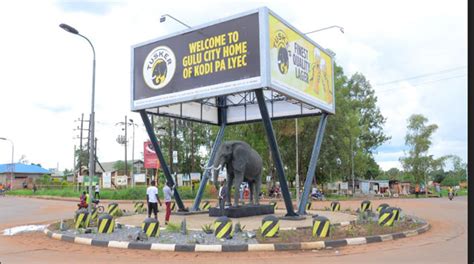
pixel 183 74
pixel 151 160
pixel 121 180
pixel 299 67
pixel 107 179
pixel 95 180
pixel 344 185
pixel 80 179
pixel 140 177
pixel 195 176
pixel 216 59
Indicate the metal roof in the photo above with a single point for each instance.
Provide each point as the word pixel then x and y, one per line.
pixel 23 168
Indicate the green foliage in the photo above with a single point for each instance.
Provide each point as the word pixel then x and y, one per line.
pixel 418 140
pixel 173 228
pixel 207 228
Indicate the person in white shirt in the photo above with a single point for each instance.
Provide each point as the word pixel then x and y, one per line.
pixel 97 190
pixel 168 192
pixel 152 200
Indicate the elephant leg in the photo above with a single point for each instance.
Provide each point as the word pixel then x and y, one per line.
pixel 237 182
pixel 230 179
pixel 251 184
pixel 257 192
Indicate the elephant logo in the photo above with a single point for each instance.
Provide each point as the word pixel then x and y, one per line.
pixel 280 41
pixel 159 67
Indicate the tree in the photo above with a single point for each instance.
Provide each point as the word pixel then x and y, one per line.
pixel 418 162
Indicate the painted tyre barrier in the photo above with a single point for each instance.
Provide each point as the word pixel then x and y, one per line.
pixel 335 206
pixel 308 206
pixel 397 213
pixel 387 216
pixel 205 205
pixel 270 226
pixel 106 224
pixel 82 219
pixel 381 207
pixel 94 214
pixel 321 226
pixel 151 227
pixel 365 206
pixel 223 227
pixel 138 207
pixel 112 209
pixel 275 205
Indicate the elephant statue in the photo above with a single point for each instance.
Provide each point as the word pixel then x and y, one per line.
pixel 242 163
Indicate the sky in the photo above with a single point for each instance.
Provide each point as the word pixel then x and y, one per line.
pixel 414 53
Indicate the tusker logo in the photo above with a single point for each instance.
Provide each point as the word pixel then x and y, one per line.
pixel 280 41
pixel 159 67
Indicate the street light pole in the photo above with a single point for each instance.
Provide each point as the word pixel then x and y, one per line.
pixel 92 117
pixel 13 164
pixel 297 172
pixel 321 29
pixel 133 151
pixel 163 19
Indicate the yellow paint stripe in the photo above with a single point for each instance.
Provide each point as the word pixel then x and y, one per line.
pixel 325 230
pixel 265 225
pixel 383 217
pixel 224 230
pixel 274 230
pixel 315 227
pixel 102 225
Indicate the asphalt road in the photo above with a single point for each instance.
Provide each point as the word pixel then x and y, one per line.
pixel 446 242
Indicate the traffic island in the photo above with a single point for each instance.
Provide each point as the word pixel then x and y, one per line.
pixel 177 237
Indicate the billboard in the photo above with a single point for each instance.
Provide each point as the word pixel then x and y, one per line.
pixel 220 58
pixel 149 154
pixel 183 75
pixel 299 67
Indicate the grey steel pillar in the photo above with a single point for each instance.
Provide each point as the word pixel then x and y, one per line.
pixel 267 122
pixel 161 158
pixel 215 147
pixel 312 164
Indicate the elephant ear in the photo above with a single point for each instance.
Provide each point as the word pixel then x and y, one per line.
pixel 239 157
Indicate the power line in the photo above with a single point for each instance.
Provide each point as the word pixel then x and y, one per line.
pixel 419 84
pixel 421 76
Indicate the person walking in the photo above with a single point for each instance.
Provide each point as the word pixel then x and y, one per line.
pixel 97 192
pixel 417 190
pixel 168 192
pixel 152 199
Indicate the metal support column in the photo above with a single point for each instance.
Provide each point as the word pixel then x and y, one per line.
pixel 312 164
pixel 159 154
pixel 267 122
pixel 215 147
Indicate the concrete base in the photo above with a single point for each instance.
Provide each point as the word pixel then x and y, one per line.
pixel 189 212
pixel 242 211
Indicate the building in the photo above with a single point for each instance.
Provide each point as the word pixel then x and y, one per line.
pixel 22 173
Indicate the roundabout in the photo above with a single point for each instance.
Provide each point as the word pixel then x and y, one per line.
pixel 346 228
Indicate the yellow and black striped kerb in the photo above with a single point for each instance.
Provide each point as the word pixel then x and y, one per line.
pixel 82 219
pixel 205 205
pixel 112 209
pixel 270 226
pixel 321 226
pixel 138 207
pixel 365 206
pixel 106 224
pixel 151 227
pixel 308 206
pixel 387 216
pixel 335 206
pixel 223 227
pixel 94 214
pixel 173 206
pixel 275 205
pixel 381 207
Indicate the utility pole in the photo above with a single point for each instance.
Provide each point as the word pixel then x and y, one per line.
pixel 133 151
pixel 81 147
pixel 126 139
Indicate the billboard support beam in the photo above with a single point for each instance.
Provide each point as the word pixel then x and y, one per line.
pixel 215 147
pixel 161 158
pixel 267 122
pixel 312 164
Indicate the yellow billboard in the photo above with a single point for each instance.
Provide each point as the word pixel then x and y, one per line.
pixel 299 66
